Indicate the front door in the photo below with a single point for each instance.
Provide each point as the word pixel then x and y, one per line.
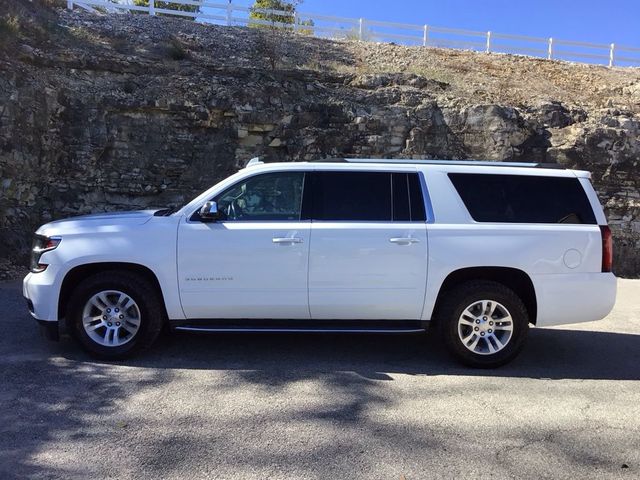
pixel 253 262
pixel 368 256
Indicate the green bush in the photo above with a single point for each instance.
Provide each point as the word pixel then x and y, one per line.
pixel 289 7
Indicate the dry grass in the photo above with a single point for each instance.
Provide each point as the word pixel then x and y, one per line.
pixel 475 77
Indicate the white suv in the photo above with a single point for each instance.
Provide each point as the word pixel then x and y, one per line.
pixel 479 249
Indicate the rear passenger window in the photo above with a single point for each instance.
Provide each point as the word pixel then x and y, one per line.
pixel 366 196
pixel 408 202
pixel 362 196
pixel 523 198
pixel 401 203
pixel 416 198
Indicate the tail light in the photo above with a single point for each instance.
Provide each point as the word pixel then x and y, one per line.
pixel 42 244
pixel 607 248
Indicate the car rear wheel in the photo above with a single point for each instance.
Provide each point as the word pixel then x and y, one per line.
pixel 483 323
pixel 115 314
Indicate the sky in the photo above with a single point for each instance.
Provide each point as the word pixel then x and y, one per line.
pixel 596 21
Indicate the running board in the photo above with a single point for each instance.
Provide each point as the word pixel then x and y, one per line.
pixel 296 330
pixel 300 326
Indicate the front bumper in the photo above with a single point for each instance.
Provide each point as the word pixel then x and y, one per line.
pixel 40 291
pixel 50 329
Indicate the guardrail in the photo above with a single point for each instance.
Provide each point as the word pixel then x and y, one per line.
pixel 374 30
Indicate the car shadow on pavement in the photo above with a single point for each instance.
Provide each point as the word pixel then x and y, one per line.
pixel 65 406
pixel 553 354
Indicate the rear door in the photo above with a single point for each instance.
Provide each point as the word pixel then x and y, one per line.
pixel 368 253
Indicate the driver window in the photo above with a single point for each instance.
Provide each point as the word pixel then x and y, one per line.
pixel 271 196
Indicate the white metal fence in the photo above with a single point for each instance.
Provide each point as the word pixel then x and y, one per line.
pixel 373 30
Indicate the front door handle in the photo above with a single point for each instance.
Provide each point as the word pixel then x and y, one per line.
pixel 404 240
pixel 286 240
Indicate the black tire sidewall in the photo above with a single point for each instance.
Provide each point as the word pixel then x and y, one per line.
pixel 463 296
pixel 140 292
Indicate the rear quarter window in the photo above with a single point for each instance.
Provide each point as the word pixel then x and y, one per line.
pixel 523 198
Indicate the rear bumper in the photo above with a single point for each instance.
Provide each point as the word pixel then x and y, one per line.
pixel 574 297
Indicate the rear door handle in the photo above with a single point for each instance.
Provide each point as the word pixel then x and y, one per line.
pixel 286 240
pixel 404 240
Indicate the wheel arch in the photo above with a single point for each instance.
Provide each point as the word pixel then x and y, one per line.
pixel 513 278
pixel 74 276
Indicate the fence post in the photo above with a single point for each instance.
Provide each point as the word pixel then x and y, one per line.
pixel 611 53
pixel 425 35
pixel 152 7
pixel 70 4
pixel 488 41
pixel 360 28
pixel 229 12
pixel 550 49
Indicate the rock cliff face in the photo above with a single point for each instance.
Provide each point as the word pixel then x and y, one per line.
pixel 128 111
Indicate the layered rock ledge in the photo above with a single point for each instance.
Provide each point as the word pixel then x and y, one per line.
pixel 129 111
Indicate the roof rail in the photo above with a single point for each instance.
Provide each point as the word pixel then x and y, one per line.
pixel 484 163
pixel 253 162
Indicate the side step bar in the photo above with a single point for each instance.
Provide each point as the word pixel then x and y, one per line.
pixel 300 326
pixel 296 330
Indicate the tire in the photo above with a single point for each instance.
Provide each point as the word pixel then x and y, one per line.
pixel 463 322
pixel 134 321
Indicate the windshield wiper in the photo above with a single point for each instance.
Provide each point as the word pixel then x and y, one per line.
pixel 165 212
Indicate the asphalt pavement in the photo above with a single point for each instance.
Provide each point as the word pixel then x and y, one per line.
pixel 322 406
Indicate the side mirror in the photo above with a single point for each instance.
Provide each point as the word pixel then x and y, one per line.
pixel 209 212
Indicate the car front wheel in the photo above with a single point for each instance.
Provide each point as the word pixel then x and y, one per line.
pixel 114 314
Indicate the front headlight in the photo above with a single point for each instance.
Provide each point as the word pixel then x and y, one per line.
pixel 42 244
